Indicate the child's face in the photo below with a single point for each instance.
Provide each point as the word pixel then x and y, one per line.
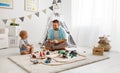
pixel 25 36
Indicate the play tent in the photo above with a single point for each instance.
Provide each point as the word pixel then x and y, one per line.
pixel 56 15
pixel 71 42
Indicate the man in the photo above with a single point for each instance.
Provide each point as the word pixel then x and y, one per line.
pixel 56 37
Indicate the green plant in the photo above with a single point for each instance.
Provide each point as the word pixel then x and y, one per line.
pixel 14 24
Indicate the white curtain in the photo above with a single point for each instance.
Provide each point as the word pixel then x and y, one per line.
pixel 94 18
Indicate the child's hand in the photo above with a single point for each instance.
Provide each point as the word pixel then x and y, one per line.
pixel 28 47
pixel 31 45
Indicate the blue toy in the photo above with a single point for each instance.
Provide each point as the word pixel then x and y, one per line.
pixel 48 60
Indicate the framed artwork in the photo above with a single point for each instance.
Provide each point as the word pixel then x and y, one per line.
pixel 6 4
pixel 31 5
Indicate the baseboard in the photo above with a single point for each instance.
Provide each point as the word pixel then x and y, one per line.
pixel 3 48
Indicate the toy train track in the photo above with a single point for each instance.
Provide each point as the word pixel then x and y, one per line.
pixel 55 61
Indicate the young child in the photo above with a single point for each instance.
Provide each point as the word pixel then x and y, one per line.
pixel 25 47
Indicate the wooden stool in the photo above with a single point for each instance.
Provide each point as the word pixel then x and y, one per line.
pixel 98 51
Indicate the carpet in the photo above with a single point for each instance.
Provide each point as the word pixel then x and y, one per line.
pixel 24 62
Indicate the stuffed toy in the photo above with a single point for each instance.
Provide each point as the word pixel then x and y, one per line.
pixel 104 43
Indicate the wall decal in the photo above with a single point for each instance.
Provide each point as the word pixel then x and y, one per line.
pixel 13 20
pixel 21 18
pixel 5 21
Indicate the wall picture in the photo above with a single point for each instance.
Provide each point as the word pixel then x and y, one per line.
pixel 6 4
pixel 31 5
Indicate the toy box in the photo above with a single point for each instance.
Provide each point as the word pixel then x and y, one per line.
pixel 98 51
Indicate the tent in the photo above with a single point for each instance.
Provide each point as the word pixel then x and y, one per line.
pixel 71 42
pixel 58 16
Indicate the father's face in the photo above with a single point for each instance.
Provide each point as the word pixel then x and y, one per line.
pixel 55 26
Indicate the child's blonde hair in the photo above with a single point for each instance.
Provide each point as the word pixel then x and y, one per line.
pixel 22 33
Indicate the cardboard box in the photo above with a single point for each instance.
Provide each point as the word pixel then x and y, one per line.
pixel 98 51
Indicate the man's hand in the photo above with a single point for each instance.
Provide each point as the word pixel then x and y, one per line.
pixel 56 41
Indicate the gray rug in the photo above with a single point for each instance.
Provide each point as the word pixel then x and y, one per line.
pixel 25 63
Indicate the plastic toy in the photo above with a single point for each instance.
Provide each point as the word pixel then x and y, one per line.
pixel 34 56
pixel 42 54
pixel 35 62
pixel 48 60
pixel 63 53
pixel 73 53
pixel 47 53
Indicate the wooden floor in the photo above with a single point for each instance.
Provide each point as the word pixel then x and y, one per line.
pixel 111 65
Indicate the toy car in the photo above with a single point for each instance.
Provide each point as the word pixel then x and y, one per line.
pixel 48 60
pixel 73 53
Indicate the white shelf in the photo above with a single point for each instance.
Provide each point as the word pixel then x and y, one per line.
pixel 14 41
pixel 14 30
pixel 14 36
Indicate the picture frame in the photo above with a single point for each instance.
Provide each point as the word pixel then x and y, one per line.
pixel 31 5
pixel 8 4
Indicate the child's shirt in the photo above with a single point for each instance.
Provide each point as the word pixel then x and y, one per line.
pixel 23 42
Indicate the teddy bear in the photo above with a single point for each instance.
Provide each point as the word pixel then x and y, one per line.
pixel 104 43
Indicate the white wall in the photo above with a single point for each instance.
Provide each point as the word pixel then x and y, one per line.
pixel 116 26
pixel 36 25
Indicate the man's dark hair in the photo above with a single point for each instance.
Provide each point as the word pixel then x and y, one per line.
pixel 55 21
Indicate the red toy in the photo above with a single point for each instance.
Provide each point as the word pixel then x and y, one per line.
pixel 42 54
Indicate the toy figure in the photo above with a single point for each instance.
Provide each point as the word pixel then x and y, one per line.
pixel 73 54
pixel 48 60
pixel 35 62
pixel 42 54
